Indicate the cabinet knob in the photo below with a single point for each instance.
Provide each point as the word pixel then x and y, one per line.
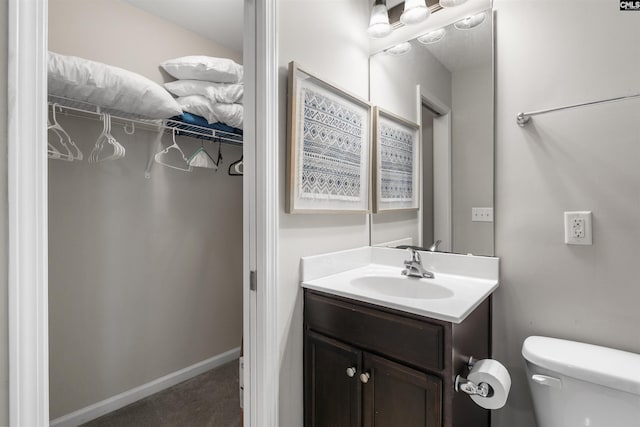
pixel 364 377
pixel 351 371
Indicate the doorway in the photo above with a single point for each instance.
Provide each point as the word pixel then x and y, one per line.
pixel 28 317
pixel 145 231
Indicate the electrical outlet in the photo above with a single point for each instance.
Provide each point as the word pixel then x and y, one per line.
pixel 482 214
pixel 577 228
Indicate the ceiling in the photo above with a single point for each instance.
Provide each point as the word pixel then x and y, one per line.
pixel 218 20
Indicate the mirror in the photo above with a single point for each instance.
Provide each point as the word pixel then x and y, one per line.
pixel 444 83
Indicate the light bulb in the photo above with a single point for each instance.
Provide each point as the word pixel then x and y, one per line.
pixel 415 11
pixel 399 49
pixel 451 3
pixel 470 21
pixel 432 37
pixel 379 23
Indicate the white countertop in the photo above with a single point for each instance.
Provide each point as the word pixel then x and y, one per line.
pixel 460 285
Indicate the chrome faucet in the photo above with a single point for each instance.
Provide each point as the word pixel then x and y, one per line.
pixel 413 266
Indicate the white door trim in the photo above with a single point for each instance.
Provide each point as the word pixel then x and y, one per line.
pixel 27 191
pixel 260 53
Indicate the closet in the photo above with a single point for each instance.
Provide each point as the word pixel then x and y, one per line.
pixel 145 258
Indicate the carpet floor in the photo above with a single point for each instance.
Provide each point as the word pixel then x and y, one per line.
pixel 210 399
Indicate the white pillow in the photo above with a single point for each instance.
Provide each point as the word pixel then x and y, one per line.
pixel 109 87
pixel 218 92
pixel 214 112
pixel 208 68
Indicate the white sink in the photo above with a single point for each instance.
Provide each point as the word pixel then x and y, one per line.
pixel 374 276
pixel 402 287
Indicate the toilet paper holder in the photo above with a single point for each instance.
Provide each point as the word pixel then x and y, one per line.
pixel 471 388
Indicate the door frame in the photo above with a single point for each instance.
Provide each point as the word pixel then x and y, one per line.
pixel 442 168
pixel 27 197
pixel 28 214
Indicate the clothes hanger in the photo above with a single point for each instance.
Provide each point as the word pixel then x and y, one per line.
pixel 159 157
pixel 52 151
pixel 78 154
pixel 99 147
pixel 219 153
pixel 63 138
pixel 238 167
pixel 93 156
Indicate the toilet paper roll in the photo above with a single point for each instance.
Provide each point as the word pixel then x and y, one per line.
pixel 491 372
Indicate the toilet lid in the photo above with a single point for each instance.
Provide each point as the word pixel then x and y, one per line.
pixel 608 367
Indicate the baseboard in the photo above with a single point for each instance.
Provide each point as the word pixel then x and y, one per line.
pixel 121 400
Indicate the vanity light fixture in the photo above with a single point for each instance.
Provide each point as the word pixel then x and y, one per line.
pixel 470 21
pixel 379 25
pixel 432 37
pixel 415 11
pixel 399 49
pixel 451 3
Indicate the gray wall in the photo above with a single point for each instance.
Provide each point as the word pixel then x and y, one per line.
pixel 552 53
pixel 471 158
pixel 4 355
pixel 145 275
pixel 327 38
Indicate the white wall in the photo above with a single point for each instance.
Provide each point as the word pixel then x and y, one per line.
pixel 552 53
pixel 119 34
pixel 4 242
pixel 393 87
pixel 472 158
pixel 328 39
pixel 145 274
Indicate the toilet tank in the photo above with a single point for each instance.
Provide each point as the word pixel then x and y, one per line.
pixel 576 384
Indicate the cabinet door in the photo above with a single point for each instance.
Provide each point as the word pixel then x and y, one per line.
pixel 395 395
pixel 332 386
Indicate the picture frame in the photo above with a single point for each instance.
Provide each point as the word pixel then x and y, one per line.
pixel 329 134
pixel 396 163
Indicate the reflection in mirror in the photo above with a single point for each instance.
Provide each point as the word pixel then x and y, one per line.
pixel 445 83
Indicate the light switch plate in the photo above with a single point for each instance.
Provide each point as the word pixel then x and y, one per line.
pixel 482 214
pixel 577 228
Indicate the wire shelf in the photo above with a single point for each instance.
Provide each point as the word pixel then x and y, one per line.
pixel 172 125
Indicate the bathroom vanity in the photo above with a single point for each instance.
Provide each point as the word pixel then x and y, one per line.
pixel 372 362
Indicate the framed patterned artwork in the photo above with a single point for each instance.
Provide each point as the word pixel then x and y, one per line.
pixel 396 163
pixel 328 147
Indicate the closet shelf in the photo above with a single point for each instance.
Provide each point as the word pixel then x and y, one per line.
pixel 91 111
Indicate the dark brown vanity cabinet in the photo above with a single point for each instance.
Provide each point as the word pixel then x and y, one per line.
pixel 366 365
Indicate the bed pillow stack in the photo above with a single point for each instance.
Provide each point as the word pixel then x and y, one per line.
pixel 208 87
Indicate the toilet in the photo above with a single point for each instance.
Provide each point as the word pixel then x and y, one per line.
pixel 575 384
